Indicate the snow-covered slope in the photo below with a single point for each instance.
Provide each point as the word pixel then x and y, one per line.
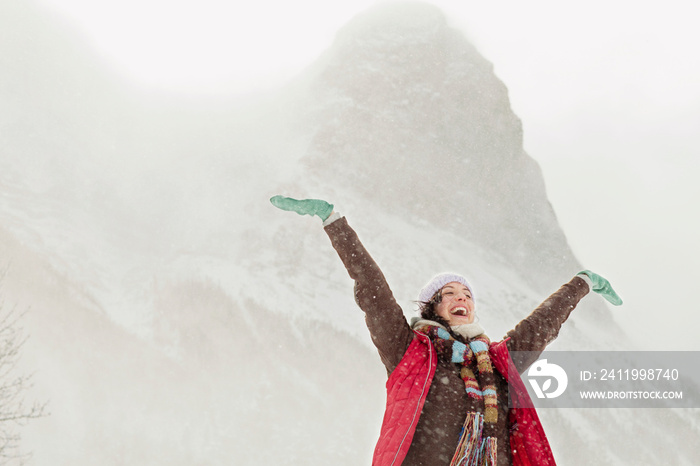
pixel 176 317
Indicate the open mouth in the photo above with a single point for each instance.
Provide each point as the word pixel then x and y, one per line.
pixel 459 311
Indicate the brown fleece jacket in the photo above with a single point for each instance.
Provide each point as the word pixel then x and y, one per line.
pixel 445 409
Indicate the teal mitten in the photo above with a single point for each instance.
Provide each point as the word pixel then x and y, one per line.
pixel 602 287
pixel 317 207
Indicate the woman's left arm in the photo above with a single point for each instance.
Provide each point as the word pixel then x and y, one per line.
pixel 542 326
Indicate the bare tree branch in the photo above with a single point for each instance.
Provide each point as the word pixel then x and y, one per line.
pixel 14 412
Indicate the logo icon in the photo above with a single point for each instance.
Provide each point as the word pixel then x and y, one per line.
pixel 541 369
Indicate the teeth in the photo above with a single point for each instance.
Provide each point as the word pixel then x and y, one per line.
pixel 460 310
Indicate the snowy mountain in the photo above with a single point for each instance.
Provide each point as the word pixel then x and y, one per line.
pixel 175 317
pixel 403 95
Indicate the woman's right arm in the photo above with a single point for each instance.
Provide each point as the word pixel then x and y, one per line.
pixel 387 325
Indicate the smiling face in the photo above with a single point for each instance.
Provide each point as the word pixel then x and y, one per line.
pixel 457 305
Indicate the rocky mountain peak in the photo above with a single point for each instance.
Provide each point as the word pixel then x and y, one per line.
pixel 404 109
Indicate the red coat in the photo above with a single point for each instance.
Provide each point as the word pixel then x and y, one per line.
pixel 407 389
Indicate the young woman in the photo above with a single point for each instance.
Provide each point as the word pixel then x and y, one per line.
pixel 449 385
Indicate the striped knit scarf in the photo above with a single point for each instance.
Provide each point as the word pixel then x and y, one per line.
pixel 477 443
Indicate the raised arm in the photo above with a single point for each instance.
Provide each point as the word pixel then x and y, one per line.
pixel 542 326
pixel 390 332
pixel 387 325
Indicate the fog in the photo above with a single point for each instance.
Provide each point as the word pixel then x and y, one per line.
pixel 606 93
pixel 177 318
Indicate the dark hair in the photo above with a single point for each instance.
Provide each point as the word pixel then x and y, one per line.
pixel 428 312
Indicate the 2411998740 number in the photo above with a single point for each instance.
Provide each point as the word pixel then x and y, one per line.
pixel 639 374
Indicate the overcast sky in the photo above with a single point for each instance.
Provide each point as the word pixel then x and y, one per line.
pixel 607 90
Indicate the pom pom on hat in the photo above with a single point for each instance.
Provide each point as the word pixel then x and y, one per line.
pixel 437 282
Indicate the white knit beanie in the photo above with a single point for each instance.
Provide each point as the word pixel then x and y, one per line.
pixel 437 282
